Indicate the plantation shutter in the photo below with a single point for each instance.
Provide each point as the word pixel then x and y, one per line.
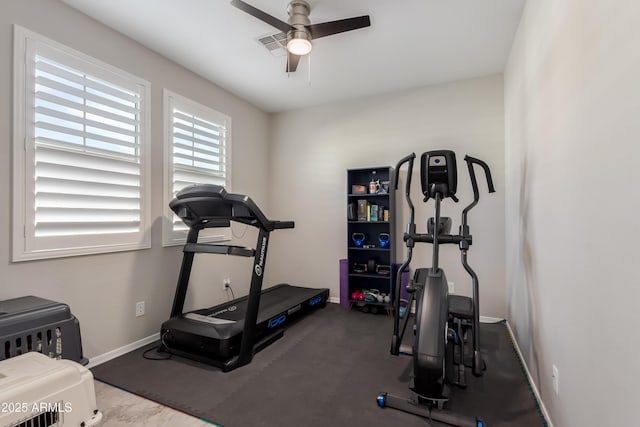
pixel 84 142
pixel 198 150
pixel 199 143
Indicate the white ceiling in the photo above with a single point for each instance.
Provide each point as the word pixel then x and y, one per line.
pixel 411 43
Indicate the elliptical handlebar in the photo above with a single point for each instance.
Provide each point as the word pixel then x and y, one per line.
pixel 407 191
pixel 407 159
pixel 487 172
pixel 471 161
pixel 397 336
pixel 402 161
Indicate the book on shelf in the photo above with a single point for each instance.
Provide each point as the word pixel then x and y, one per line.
pixel 367 212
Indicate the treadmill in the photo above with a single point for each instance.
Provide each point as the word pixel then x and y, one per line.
pixel 228 335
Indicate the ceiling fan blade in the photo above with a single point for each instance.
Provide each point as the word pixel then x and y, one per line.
pixel 264 17
pixel 340 26
pixel 292 62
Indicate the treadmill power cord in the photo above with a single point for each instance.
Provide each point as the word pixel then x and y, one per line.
pixel 166 357
pixel 229 288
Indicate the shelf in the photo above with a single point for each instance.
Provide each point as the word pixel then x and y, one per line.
pixel 381 304
pixel 353 248
pixel 368 194
pixel 368 222
pixel 384 203
pixel 370 276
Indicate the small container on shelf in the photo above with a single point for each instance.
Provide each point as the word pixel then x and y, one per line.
pixel 358 189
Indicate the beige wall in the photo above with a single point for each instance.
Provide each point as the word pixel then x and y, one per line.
pixel 572 105
pixel 102 289
pixel 311 150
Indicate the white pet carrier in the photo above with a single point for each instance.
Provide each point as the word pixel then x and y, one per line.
pixel 37 391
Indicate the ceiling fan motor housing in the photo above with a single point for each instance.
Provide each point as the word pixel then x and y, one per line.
pixel 298 11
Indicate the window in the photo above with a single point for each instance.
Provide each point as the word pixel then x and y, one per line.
pixel 80 153
pixel 197 151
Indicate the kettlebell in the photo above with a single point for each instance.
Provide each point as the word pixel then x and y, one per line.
pixel 383 239
pixel 358 239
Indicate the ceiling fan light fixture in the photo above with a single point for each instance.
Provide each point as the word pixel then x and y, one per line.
pixel 299 43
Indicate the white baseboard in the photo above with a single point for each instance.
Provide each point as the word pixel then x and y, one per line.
pixel 334 300
pixel 488 319
pixel 98 360
pixel 529 377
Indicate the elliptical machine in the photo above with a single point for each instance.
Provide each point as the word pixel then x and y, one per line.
pixel 442 321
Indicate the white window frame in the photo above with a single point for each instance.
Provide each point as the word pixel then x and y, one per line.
pixel 171 100
pixel 25 244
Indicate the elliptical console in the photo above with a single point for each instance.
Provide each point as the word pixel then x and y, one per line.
pixel 438 174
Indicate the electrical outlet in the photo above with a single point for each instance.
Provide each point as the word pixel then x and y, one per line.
pixel 452 287
pixel 226 283
pixel 556 379
pixel 140 309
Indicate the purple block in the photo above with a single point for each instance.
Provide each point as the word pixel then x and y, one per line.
pixel 344 284
pixel 405 281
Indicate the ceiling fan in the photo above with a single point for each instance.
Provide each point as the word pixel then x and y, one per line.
pixel 299 29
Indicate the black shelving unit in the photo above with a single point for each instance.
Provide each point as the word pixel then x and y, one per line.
pixel 368 260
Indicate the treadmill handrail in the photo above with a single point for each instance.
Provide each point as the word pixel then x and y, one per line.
pixel 278 225
pixel 207 205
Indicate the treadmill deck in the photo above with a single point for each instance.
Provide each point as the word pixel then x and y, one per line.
pixel 213 334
